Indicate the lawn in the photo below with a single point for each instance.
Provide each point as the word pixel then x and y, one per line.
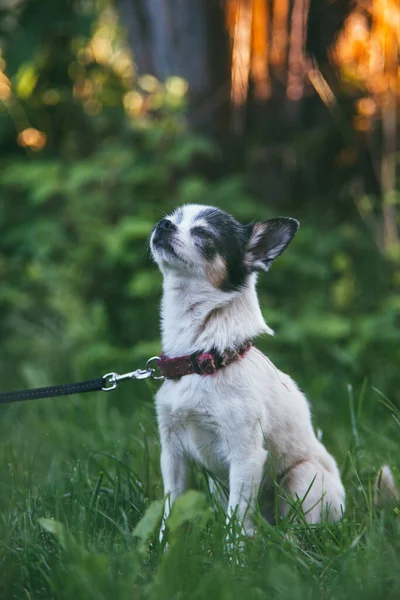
pixel 80 492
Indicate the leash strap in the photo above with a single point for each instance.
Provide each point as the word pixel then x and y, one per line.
pixel 107 383
pixel 92 385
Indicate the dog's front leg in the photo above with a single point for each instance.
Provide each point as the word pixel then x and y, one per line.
pixel 245 476
pixel 174 473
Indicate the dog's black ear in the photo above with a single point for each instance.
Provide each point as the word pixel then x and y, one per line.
pixel 267 240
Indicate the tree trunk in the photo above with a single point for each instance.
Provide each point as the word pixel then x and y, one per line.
pixel 186 39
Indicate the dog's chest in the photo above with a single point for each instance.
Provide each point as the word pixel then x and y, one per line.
pixel 195 420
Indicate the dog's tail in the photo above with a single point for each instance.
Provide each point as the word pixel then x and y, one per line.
pixel 385 488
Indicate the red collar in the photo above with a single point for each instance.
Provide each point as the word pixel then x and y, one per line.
pixel 202 363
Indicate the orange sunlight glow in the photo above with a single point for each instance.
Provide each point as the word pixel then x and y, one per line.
pixel 5 87
pixel 297 59
pixel 32 138
pixel 241 48
pixel 259 51
pixel 367 50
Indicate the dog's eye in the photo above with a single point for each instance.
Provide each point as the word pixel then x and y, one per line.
pixel 202 232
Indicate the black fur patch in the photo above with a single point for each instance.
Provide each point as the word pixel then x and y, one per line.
pixel 178 214
pixel 226 237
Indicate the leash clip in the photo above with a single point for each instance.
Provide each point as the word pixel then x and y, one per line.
pixel 113 379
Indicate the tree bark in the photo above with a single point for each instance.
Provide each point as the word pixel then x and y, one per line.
pixel 184 38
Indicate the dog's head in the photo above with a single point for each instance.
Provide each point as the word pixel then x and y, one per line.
pixel 207 243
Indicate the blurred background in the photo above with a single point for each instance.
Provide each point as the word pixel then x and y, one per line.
pixel 112 113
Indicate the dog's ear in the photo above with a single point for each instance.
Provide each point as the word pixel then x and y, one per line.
pixel 267 240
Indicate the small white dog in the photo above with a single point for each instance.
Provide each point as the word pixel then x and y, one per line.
pixel 223 403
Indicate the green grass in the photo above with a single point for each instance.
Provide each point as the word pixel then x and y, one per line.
pixel 80 492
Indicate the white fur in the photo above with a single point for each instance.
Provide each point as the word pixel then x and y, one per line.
pixel 385 489
pixel 247 416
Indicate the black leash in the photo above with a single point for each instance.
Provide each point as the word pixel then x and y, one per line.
pixel 107 383
pixel 93 385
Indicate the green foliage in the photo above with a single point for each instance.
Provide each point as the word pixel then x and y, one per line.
pixel 80 288
pixel 73 253
pixel 191 507
pixel 80 508
pixel 147 526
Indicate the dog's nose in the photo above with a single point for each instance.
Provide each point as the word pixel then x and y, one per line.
pixel 166 225
pixel 163 231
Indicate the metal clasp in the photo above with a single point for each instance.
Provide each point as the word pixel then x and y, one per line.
pixel 156 377
pixel 113 379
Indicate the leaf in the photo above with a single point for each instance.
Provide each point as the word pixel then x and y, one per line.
pixel 147 525
pixel 191 506
pixel 63 536
pixel 26 80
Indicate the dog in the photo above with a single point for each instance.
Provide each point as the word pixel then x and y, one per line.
pixel 223 404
